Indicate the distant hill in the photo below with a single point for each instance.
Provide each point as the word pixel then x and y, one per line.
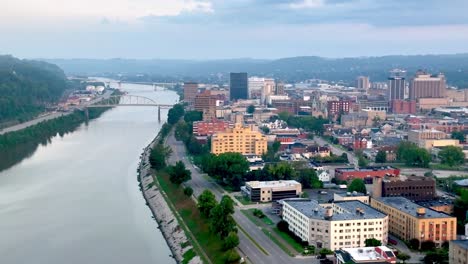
pixel 289 69
pixel 27 87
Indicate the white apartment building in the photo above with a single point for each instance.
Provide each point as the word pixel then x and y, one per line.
pixel 340 225
pixel 256 87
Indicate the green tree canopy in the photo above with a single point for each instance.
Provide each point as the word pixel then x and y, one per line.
pixel 362 162
pixel 221 221
pixel 158 156
pixel 175 113
pixel 206 202
pixel 178 173
pixel 381 157
pixel 192 116
pixel 251 109
pixel 372 242
pixel 309 179
pixel 452 156
pixel 357 185
pixel 228 168
pixel 231 241
pixel 412 155
pixel 458 135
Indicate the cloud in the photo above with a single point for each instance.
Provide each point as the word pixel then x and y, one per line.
pixel 307 4
pixel 112 9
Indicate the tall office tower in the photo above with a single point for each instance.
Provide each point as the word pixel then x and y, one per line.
pixel 268 89
pixel 362 83
pixel 190 92
pixel 256 87
pixel 424 85
pixel 396 85
pixel 238 86
pixel 279 89
pixel 206 103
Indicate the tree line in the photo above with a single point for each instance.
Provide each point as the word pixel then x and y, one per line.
pixel 27 87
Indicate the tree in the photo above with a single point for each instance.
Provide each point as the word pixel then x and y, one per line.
pixel 231 241
pixel 381 157
pixel 182 131
pixel 436 257
pixel 284 116
pixel 175 113
pixel 231 256
pixel 281 171
pixel 458 135
pixel 251 109
pixel 372 242
pixel 188 191
pixel 357 185
pixel 414 243
pixel 206 202
pixel 412 155
pixel 265 129
pixel 325 251
pixel 192 116
pixel 452 156
pixel 221 221
pixel 228 168
pixel 158 156
pixel 403 257
pixel 283 226
pixel 362 162
pixel 178 173
pixel 427 245
pixel 344 157
pixel 309 179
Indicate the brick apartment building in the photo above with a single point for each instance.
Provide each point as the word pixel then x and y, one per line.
pixel 208 128
pixel 414 188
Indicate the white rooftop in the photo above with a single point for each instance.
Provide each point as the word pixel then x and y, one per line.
pixel 368 253
pixel 272 184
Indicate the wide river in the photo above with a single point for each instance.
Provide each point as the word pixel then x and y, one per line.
pixel 77 200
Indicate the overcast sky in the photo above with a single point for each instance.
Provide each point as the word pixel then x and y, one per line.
pixel 204 29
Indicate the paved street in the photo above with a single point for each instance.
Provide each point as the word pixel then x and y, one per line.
pixel 252 253
pixel 337 151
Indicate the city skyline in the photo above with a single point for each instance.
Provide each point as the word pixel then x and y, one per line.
pixel 202 29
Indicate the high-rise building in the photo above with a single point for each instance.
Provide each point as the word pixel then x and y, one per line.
pixel 239 139
pixel 279 88
pixel 362 83
pixel 424 85
pixel 206 103
pixel 256 87
pixel 238 86
pixel 396 85
pixel 190 91
pixel 268 89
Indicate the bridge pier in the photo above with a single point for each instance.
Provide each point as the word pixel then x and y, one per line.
pixel 159 114
pixel 86 112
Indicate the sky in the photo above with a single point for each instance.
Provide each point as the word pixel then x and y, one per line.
pixel 216 29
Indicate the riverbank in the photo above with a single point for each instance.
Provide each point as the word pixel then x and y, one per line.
pixel 179 244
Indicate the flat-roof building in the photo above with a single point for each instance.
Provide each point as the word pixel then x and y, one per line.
pixel 342 224
pixel 415 188
pixel 267 191
pixel 239 139
pixel 458 252
pixel 351 196
pixel 346 174
pixel 408 220
pixel 368 255
pixel 190 91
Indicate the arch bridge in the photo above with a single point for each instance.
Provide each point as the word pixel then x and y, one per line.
pixel 129 100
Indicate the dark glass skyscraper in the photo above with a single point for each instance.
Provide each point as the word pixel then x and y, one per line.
pixel 238 86
pixel 396 85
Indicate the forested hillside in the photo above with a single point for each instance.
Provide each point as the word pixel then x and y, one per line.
pixel 27 87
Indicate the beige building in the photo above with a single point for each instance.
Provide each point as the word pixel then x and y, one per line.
pixel 424 85
pixel 267 191
pixel 241 139
pixel 458 252
pixel 439 143
pixel 351 196
pixel 431 103
pixel 343 224
pixel 419 137
pixel 408 220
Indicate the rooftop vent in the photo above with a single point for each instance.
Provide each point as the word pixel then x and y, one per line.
pixel 421 211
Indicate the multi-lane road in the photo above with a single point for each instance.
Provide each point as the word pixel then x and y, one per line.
pixel 250 251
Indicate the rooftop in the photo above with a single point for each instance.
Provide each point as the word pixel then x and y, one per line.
pixel 313 210
pixel 406 206
pixel 366 254
pixel 271 184
pixel 375 168
pixel 461 243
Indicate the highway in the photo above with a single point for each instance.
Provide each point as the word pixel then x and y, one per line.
pixel 249 251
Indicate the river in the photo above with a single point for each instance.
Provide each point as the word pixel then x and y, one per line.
pixel 77 200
